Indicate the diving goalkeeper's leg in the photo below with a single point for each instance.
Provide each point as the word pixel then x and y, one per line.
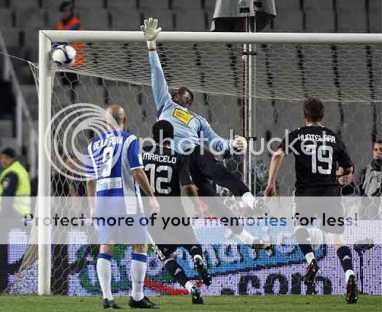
pixel 167 254
pixel 204 164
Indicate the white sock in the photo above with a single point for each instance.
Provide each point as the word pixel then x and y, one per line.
pixel 138 272
pixel 309 257
pixel 246 237
pixel 104 277
pixel 348 273
pixel 249 199
pixel 189 286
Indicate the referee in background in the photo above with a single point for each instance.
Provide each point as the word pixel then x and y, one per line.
pixel 15 184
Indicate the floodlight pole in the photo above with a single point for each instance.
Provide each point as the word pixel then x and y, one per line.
pixel 249 91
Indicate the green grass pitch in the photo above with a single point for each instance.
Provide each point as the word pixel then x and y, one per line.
pixel 183 304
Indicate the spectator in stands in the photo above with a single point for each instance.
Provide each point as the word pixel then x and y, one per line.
pixel 69 21
pixel 371 177
pixel 15 191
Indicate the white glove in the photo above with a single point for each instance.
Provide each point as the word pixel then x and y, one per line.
pixel 151 31
pixel 239 143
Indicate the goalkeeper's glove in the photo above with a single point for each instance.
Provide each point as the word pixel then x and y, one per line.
pixel 239 143
pixel 151 31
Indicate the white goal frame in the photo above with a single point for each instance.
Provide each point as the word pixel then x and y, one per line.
pixel 45 79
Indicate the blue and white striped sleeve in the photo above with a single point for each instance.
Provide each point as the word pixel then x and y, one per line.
pixel 134 156
pixel 158 82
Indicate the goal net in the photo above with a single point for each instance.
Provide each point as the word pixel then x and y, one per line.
pixel 347 77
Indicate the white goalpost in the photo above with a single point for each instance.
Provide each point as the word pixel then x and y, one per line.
pixel 116 67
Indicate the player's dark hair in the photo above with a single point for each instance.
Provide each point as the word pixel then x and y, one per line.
pixel 66 4
pixel 162 129
pixel 377 141
pixel 313 109
pixel 182 91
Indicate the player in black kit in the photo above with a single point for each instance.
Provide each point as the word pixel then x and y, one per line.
pixel 168 173
pixel 318 152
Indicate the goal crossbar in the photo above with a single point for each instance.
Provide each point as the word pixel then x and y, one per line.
pixel 136 36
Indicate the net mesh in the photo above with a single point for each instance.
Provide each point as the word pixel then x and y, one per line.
pixel 346 77
pixel 335 73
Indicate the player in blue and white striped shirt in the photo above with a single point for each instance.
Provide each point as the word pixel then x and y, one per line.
pixel 117 168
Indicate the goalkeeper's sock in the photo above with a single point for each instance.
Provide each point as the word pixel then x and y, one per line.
pixel 346 260
pixel 104 275
pixel 304 242
pixel 138 271
pixel 177 272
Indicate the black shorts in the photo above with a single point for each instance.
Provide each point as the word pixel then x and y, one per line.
pixel 319 204
pixel 165 251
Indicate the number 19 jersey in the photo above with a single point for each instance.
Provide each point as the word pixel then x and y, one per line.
pixel 318 152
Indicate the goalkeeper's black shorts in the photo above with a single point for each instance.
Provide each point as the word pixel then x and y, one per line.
pixel 205 169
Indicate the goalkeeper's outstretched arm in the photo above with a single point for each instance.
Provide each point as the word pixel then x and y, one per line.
pixel 219 144
pixel 158 80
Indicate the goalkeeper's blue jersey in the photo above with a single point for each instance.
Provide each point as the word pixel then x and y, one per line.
pixel 189 127
pixel 113 156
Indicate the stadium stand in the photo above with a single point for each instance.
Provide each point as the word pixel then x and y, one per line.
pixel 322 20
pixel 290 20
pixel 122 4
pixel 158 4
pixel 6 20
pixel 94 19
pixel 351 20
pixel 21 19
pixel 318 5
pixel 90 4
pixel 22 4
pixel 12 37
pixel 292 5
pixel 121 20
pixel 351 4
pixel 190 20
pixel 185 4
pixel 31 18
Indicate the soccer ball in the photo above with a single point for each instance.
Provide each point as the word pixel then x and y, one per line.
pixel 63 54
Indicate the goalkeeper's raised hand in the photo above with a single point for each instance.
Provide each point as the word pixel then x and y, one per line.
pixel 151 31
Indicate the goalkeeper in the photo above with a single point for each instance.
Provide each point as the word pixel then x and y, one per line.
pixel 189 128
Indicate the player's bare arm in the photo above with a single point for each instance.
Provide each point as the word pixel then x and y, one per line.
pixel 91 190
pixel 274 168
pixel 141 178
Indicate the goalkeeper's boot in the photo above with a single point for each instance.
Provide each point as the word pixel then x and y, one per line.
pixel 145 303
pixel 310 276
pixel 110 304
pixel 202 271
pixel 269 249
pixel 260 244
pixel 351 290
pixel 196 296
